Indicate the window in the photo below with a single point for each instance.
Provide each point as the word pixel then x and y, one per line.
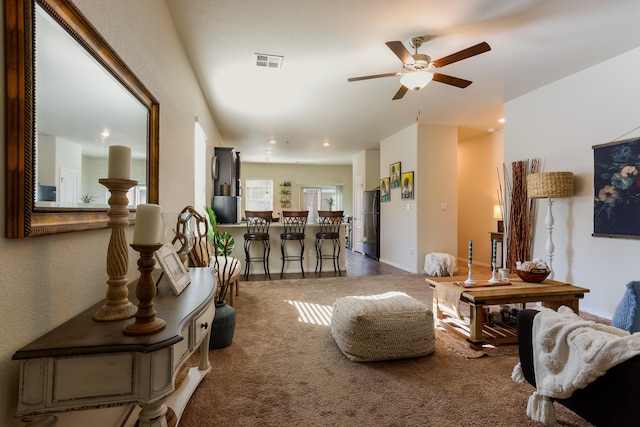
pixel 316 199
pixel 258 195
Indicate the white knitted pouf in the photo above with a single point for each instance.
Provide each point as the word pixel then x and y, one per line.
pixel 382 327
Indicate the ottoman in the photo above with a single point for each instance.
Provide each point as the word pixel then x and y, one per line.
pixel 382 327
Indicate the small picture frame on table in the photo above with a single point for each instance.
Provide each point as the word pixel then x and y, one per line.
pixel 173 267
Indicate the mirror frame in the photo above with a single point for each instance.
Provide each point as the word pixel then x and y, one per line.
pixel 23 218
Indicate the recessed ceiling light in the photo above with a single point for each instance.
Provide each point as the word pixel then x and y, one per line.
pixel 326 144
pixel 269 151
pixel 501 120
pixel 272 141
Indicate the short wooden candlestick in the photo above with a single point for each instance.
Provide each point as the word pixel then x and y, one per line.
pixel 118 306
pixel 146 321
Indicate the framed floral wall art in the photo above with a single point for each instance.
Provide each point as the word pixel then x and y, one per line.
pixel 406 188
pixel 616 208
pixel 394 175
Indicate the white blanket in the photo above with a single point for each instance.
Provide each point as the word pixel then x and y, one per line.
pixel 437 264
pixel 569 353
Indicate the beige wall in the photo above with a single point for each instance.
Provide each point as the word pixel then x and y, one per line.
pixel 438 178
pixel 301 175
pixel 47 280
pixel 366 164
pixel 560 123
pixel 411 228
pixel 479 160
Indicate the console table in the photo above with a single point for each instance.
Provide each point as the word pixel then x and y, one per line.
pixel 86 372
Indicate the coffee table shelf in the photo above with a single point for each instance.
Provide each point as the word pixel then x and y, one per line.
pixel 496 334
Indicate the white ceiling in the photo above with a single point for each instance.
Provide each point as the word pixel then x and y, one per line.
pixel 309 101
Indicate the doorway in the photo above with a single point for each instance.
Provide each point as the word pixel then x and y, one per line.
pixel 68 186
pixel 358 194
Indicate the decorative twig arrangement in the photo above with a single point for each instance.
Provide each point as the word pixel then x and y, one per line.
pixel 521 212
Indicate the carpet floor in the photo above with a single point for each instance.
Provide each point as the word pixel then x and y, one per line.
pixel 284 369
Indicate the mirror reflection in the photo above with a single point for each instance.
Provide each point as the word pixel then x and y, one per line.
pixel 81 109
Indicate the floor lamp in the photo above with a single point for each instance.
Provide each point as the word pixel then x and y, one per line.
pixel 548 185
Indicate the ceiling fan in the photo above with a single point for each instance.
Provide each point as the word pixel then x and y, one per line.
pixel 419 69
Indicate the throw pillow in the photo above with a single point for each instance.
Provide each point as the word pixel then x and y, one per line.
pixel 627 314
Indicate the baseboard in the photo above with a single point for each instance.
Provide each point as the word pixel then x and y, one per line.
pixel 396 265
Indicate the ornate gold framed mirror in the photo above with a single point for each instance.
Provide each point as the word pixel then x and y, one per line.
pixel 47 115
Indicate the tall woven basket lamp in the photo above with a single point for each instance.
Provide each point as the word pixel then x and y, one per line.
pixel 548 185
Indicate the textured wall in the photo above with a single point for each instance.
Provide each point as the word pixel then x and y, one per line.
pixel 560 123
pixel 47 280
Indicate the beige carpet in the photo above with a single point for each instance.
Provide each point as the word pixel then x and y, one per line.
pixel 281 371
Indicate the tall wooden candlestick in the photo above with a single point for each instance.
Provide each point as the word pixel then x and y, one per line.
pixel 146 321
pixel 118 306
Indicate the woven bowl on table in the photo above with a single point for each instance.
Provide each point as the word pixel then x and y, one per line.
pixel 533 276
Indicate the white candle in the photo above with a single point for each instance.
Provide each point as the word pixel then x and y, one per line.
pixel 470 251
pixel 148 225
pixel 119 162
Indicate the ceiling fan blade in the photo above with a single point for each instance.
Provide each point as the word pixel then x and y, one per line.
pixel 463 54
pixel 450 80
pixel 374 76
pixel 400 93
pixel 401 52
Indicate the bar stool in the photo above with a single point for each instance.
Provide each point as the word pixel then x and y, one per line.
pixel 294 223
pixel 329 222
pixel 258 223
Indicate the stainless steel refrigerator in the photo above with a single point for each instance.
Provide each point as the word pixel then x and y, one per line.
pixel 227 209
pixel 371 219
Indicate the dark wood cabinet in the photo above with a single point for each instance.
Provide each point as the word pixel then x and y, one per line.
pixel 227 164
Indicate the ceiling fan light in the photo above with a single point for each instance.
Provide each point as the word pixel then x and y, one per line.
pixel 416 80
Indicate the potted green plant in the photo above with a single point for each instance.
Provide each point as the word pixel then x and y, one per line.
pixel 224 321
pixel 223 244
pixel 87 198
pixel 330 202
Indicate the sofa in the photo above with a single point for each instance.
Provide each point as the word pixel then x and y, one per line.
pixel 608 401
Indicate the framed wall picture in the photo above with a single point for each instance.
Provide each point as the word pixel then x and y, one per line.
pixel 385 194
pixel 394 175
pixel 173 267
pixel 406 189
pixel 616 186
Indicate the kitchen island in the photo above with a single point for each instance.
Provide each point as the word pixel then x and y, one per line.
pixel 275 262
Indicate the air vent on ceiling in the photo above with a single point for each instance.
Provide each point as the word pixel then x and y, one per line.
pixel 268 61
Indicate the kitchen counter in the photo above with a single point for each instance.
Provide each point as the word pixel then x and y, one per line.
pixel 275 262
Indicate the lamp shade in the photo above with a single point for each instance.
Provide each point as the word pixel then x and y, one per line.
pixel 416 80
pixel 550 184
pixel 497 212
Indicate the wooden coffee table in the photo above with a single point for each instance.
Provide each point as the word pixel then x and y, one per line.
pixel 550 293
